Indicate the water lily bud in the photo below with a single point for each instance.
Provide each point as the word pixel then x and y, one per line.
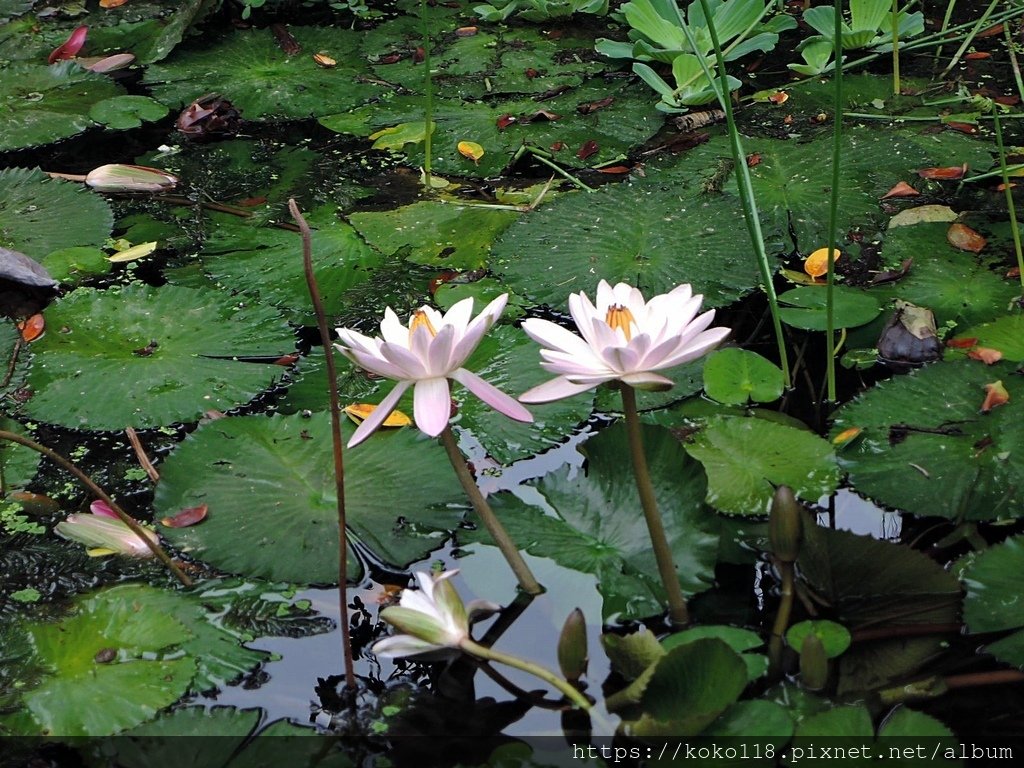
pixel 813 663
pixel 785 525
pixel 572 646
pixel 130 178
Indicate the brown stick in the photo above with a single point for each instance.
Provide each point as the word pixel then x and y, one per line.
pixel 339 467
pixel 140 454
pixel 975 679
pixel 87 481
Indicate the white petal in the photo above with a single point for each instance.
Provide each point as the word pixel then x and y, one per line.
pixel 491 395
pixel 432 407
pixel 556 389
pixel 459 315
pixel 560 362
pixel 647 380
pixel 494 309
pixel 402 645
pixel 392 330
pixel 547 334
pixel 622 359
pixel 583 314
pixel 466 344
pixel 399 356
pixel 374 364
pixel 605 298
pixel 698 347
pixel 439 352
pixel 354 339
pixel 381 412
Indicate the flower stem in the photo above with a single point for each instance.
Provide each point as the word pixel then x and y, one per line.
pixel 833 211
pixel 1008 190
pixel 87 481
pixel 895 48
pixel 428 94
pixel 677 611
pixel 489 654
pixel 498 533
pixel 339 466
pixel 782 616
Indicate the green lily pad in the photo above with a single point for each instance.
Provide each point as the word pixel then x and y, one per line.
pixel 121 112
pixel 141 356
pixel 269 485
pixel 955 285
pixel 250 69
pixel 651 236
pixel 435 233
pixel 1005 334
pixel 266 263
pixel 598 528
pixel 926 447
pixel 745 458
pixel 805 308
pixel 993 598
pixel 849 727
pixel 76 693
pixel 75 264
pixel 834 637
pixel 764 721
pixel 690 687
pixel 740 640
pixel 30 202
pixel 19 463
pixel 43 104
pixel 734 376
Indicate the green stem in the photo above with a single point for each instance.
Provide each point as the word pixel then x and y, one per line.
pixel 1014 226
pixel 339 466
pixel 498 533
pixel 895 48
pixel 549 677
pixel 970 38
pixel 833 213
pixel 1014 64
pixel 539 156
pixel 428 92
pixel 87 481
pixel 945 25
pixel 677 610
pixel 782 616
pixel 746 189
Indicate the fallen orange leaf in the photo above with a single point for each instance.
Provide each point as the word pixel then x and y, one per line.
pixel 995 394
pixel 846 436
pixel 965 343
pixel 969 128
pixel 966 239
pixel 32 328
pixel 945 174
pixel 360 411
pixel 902 189
pixel 112 3
pixel 974 55
pixel 987 355
pixel 471 150
pixel 186 517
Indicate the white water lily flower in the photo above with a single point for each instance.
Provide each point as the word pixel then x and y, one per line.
pixel 433 618
pixel 623 339
pixel 424 355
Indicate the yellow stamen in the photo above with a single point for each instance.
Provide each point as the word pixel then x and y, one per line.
pixel 620 317
pixel 419 317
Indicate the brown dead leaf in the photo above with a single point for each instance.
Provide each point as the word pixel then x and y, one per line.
pixel 966 239
pixel 987 355
pixel 186 517
pixel 950 173
pixel 995 395
pixel 902 189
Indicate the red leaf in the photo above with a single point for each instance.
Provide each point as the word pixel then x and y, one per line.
pixel 902 189
pixel 614 169
pixel 186 517
pixel 969 128
pixel 419 55
pixel 505 121
pixel 286 360
pixel 70 47
pixel 753 159
pixel 966 343
pixel 977 55
pixel 995 394
pixel 966 239
pixel 391 58
pixel 558 146
pixel 588 149
pixel 944 174
pixel 592 106
pixel 1013 272
pixel 531 73
pixel 32 328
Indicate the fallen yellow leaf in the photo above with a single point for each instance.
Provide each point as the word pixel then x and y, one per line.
pixel 472 150
pixel 816 264
pixel 360 411
pixel 133 253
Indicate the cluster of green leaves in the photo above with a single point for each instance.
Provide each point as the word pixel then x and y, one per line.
pixel 657 35
pixel 870 27
pixel 539 10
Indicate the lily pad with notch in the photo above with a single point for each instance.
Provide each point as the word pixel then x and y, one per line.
pixel 993 601
pixel 746 458
pixel 270 482
pixel 735 376
pixel 122 112
pixel 114 358
pixel 925 446
pixel 805 308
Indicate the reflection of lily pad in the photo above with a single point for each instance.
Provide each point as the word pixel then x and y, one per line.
pixel 649 235
pixel 250 69
pixel 270 483
pixel 30 203
pixel 141 356
pixel 266 262
pixel 43 104
pixel 745 459
pixel 599 528
pixel 993 602
pixel 925 447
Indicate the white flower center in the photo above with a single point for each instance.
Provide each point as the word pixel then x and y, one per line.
pixel 619 316
pixel 419 317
